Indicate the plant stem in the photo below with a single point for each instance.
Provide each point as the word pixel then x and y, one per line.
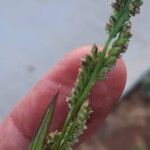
pixel 122 17
pixel 75 108
pixel 91 82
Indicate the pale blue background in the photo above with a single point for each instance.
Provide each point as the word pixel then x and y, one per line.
pixel 34 34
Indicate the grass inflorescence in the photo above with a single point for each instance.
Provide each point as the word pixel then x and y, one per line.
pixel 94 67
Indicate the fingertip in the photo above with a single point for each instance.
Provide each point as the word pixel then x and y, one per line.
pixel 104 95
pixel 111 88
pixel 27 114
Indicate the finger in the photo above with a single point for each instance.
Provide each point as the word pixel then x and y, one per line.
pixel 104 96
pixel 18 128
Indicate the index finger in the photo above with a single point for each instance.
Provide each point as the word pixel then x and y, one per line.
pixel 18 128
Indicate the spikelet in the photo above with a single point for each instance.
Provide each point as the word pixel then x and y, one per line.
pixel 85 71
pixel 76 127
pixel 122 10
pixel 135 7
pixel 50 139
pixel 121 43
pixel 74 130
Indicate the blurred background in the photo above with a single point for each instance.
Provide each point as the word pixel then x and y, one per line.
pixel 35 34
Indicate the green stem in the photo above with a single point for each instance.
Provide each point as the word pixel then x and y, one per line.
pixel 107 45
pixel 121 19
pixel 81 99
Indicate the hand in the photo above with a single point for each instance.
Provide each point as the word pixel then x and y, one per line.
pixel 17 130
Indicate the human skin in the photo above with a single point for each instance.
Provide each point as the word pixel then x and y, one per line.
pixel 18 128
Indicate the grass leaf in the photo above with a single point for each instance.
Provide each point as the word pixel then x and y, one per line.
pixel 38 141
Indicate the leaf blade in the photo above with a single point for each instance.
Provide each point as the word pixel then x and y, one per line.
pixel 38 141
